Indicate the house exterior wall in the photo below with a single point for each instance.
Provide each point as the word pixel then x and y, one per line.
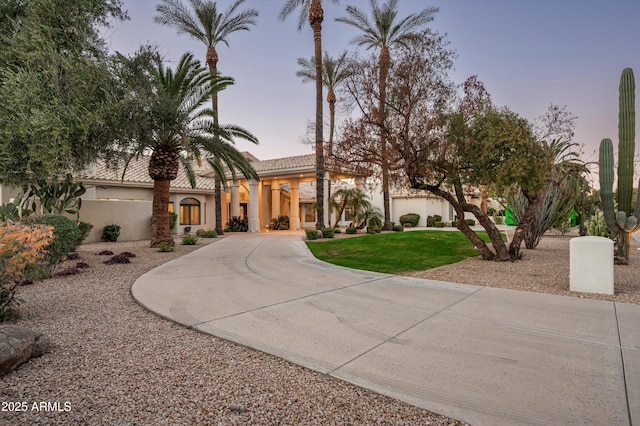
pixel 424 206
pixel 134 218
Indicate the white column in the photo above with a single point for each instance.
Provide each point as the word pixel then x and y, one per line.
pixel 235 199
pixel 295 205
pixel 254 206
pixel 275 199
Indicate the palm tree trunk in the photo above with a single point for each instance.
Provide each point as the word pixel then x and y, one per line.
pixel 331 99
pixel 212 63
pixel 316 15
pixel 384 63
pixel 160 229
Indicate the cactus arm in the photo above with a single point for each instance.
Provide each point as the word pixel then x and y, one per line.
pixel 626 140
pixel 606 184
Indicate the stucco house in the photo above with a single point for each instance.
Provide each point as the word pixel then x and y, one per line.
pixel 286 187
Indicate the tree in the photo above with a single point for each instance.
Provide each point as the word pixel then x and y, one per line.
pixel 167 108
pixel 334 72
pixel 55 86
pixel 384 32
pixel 201 21
pixel 313 10
pixel 352 198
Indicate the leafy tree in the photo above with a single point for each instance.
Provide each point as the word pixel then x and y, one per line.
pixel 312 9
pixel 202 21
pixel 55 86
pixel 352 198
pixel 166 107
pixel 384 31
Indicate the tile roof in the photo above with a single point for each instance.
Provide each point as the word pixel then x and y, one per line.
pixel 137 172
pixel 296 163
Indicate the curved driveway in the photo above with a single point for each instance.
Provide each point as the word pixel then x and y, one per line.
pixel 482 355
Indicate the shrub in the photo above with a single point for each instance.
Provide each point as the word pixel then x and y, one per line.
pixel 117 259
pixel 104 253
pixel 375 221
pixel 82 265
pixel 237 224
pixel 65 236
pixel 85 228
pixel 372 230
pixel 165 247
pixel 128 254
pixel 189 240
pixel 67 271
pixel 431 222
pixel 312 234
pixel 173 220
pixel 111 233
pixel 73 256
pixel 499 220
pixel 210 233
pixel 398 228
pixel 447 225
pixel 280 224
pixel 337 230
pixel 411 218
pixel 351 230
pixel 327 232
pixel 439 224
pixel 407 225
pixel 470 222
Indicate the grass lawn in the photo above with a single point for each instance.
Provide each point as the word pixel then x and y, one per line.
pixel 397 252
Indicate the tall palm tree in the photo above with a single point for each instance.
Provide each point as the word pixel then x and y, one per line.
pixel 383 32
pixel 200 20
pixel 172 123
pixel 315 13
pixel 334 71
pixel 352 198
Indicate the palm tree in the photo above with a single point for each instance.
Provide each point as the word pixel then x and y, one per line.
pixel 334 71
pixel 352 198
pixel 201 20
pixel 313 10
pixel 383 32
pixel 177 129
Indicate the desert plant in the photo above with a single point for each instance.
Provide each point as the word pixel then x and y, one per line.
pixel 412 218
pixel 312 234
pixel 67 271
pixel 82 265
pixel 65 237
pixel 625 222
pixel 117 259
pixel 104 253
pixel 597 227
pixel 111 233
pixel 351 230
pixel 165 247
pixel 12 211
pixel 372 230
pixel 210 233
pixel 281 223
pixel 237 224
pixel 128 254
pixel 189 240
pixel 327 232
pixel 55 197
pixel 173 220
pixel 85 228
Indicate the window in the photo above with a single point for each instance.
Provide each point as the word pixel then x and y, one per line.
pixel 348 214
pixel 171 208
pixel 189 212
pixel 310 213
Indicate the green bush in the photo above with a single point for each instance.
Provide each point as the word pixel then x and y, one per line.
pixel 280 224
pixel 337 230
pixel 327 232
pixel 237 224
pixel 407 225
pixel 375 221
pixel 398 228
pixel 312 234
pixel 66 234
pixel 210 233
pixel 173 220
pixel 439 224
pixel 372 230
pixel 165 247
pixel 470 222
pixel 189 240
pixel 412 218
pixel 85 228
pixel 499 220
pixel 431 222
pixel 111 233
pixel 351 230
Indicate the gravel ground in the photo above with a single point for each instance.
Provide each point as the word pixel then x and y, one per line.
pixel 114 363
pixel 544 269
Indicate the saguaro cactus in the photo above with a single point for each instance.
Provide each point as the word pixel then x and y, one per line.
pixel 625 221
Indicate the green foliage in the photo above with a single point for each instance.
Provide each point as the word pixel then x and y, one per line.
pixel 12 211
pixel 372 230
pixel 237 224
pixel 499 220
pixel 397 228
pixel 351 230
pixel 397 252
pixel 439 224
pixel 165 247
pixel 111 233
pixel 210 233
pixel 597 227
pixel 280 224
pixel 58 197
pixel 189 240
pixel 337 230
pixel 412 218
pixel 431 220
pixel 84 228
pixel 66 235
pixel 173 220
pixel 327 232
pixel 470 222
pixel 312 234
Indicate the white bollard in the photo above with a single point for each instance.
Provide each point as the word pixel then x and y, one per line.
pixel 591 265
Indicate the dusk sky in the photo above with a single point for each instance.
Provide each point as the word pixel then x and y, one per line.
pixel 529 54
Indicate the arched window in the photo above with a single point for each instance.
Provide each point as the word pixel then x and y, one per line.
pixel 189 211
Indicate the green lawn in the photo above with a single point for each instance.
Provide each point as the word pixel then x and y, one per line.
pixel 396 252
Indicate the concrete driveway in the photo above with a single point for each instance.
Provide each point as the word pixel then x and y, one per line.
pixel 483 355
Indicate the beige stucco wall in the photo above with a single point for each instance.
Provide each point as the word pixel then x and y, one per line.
pixel 134 218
